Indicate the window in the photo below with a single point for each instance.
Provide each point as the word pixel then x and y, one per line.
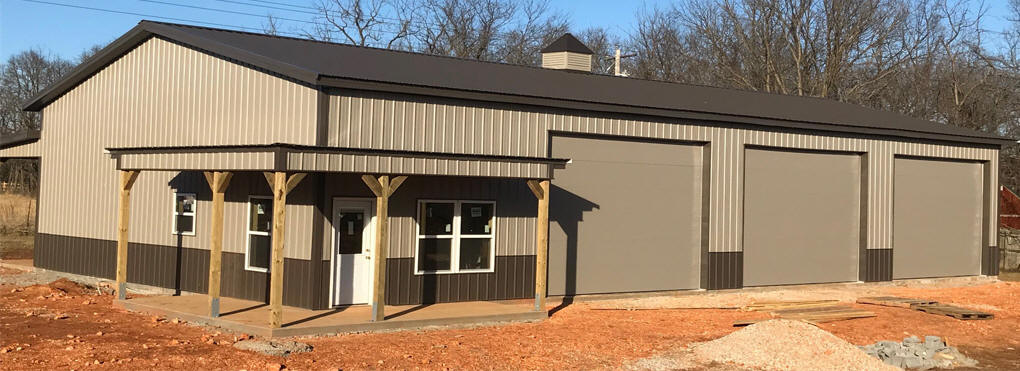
pixel 260 225
pixel 455 236
pixel 184 214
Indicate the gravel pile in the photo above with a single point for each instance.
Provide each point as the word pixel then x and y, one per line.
pixel 787 345
pixel 913 353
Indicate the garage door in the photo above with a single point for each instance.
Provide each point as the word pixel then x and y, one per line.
pixel 936 218
pixel 801 217
pixel 624 216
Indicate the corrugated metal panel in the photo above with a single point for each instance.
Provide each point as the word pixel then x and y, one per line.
pixel 164 94
pixel 457 126
pixel 356 163
pixel 513 278
pixel 199 161
pixel 723 270
pixel 183 269
pixel 24 150
pixel 878 265
pixel 515 208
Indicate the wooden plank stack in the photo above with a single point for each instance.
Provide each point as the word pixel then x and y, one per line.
pixel 893 301
pixel 927 306
pixel 814 311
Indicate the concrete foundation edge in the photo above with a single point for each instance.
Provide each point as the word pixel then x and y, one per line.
pixel 391 325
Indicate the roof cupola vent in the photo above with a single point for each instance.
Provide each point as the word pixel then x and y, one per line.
pixel 567 53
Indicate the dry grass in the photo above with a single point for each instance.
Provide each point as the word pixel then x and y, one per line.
pixel 17 213
pixel 17 224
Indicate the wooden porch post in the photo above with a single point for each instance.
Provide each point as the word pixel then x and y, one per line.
pixel 541 190
pixel 127 179
pixel 218 182
pixel 281 185
pixel 382 187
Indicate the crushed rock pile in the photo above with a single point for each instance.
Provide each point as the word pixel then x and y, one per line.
pixel 913 353
pixel 787 345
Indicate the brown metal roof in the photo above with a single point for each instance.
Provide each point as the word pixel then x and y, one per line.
pixel 18 138
pixel 567 43
pixel 339 65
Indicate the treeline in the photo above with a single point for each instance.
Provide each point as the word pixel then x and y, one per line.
pixel 932 59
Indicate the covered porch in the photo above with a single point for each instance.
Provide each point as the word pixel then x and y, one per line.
pixel 284 167
pixel 252 317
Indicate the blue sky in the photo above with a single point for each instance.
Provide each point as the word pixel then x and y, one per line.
pixel 66 31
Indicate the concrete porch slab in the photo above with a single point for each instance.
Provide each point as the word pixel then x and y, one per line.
pixel 252 317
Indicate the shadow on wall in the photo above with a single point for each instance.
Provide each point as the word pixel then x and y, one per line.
pixel 567 210
pixel 187 182
pixel 187 269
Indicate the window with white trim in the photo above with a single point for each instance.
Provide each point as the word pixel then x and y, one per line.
pixel 184 213
pixel 259 239
pixel 455 236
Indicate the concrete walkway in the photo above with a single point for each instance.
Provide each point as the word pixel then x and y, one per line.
pixel 252 317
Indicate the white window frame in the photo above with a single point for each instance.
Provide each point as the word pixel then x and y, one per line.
pixel 192 214
pixel 248 233
pixel 456 237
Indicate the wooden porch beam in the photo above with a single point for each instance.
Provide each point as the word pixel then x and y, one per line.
pixel 127 180
pixel 218 182
pixel 281 185
pixel 382 187
pixel 541 190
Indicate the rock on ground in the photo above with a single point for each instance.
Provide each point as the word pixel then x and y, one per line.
pixel 913 353
pixel 787 345
pixel 273 347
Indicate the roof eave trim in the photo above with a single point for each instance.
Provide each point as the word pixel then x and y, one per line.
pixel 299 148
pixel 356 84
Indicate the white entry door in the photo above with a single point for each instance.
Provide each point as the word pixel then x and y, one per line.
pixel 352 251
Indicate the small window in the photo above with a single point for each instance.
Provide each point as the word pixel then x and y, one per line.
pixel 455 236
pixel 184 214
pixel 260 226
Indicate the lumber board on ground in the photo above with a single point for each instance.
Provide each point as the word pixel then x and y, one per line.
pixel 759 307
pixel 810 312
pixel 952 311
pixel 893 301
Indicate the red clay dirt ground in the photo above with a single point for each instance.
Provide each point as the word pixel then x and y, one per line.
pixel 65 326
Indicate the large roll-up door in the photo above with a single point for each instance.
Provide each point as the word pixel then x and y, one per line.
pixel 936 218
pixel 801 217
pixel 624 216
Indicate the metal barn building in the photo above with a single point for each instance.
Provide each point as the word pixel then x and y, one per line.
pixel 316 175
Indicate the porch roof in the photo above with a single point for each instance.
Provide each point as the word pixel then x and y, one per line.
pixel 303 158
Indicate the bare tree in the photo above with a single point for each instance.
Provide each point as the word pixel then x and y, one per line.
pixel 603 45
pixel 88 53
pixel 23 76
pixel 271 26
pixel 382 23
pixel 536 27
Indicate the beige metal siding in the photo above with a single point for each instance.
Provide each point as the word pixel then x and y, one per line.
pixel 332 162
pixel 625 216
pixel 415 123
pixel 938 218
pixel 162 94
pixel 199 161
pixel 801 217
pixel 23 150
